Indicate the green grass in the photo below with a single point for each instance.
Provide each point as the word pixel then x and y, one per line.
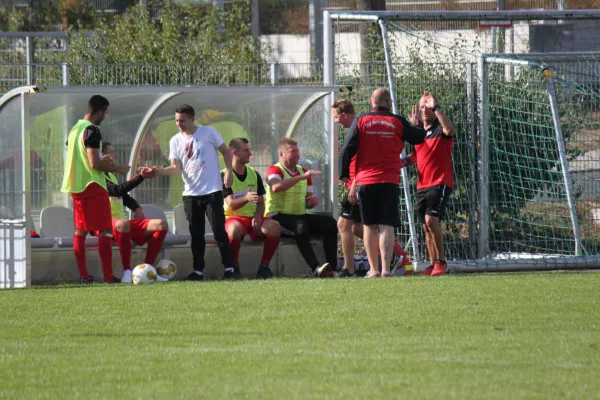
pixel 501 336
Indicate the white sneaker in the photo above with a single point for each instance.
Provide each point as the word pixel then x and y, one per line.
pixel 322 271
pixel 161 279
pixel 126 276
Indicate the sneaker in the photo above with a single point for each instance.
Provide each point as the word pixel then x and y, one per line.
pixel 112 280
pixel 396 262
pixel 194 277
pixel 264 272
pixel 323 270
pixel 229 274
pixel 237 273
pixel 370 275
pixel 344 273
pixel 86 281
pixel 428 270
pixel 439 268
pixel 126 278
pixel 386 274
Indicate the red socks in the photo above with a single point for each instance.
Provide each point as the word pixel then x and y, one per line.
pixel 124 243
pixel 235 250
pixel 155 243
pixel 79 250
pixel 269 248
pixel 105 251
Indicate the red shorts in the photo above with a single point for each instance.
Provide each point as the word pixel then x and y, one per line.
pixel 246 223
pixel 92 209
pixel 137 228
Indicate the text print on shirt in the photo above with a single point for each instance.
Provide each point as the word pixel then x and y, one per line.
pixel 389 124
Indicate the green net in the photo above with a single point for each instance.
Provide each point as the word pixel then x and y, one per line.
pixel 529 194
pixel 528 209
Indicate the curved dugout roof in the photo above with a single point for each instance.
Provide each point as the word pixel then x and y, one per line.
pixel 141 122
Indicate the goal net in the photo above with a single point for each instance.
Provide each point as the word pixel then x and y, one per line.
pixel 522 91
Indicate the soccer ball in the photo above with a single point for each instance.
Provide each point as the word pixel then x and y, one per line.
pixel 166 269
pixel 144 273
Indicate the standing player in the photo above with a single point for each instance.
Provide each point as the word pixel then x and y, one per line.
pixel 84 179
pixel 140 229
pixel 435 181
pixel 377 139
pixel 289 194
pixel 245 208
pixel 349 222
pixel 193 153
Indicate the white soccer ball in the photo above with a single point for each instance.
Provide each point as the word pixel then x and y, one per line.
pixel 166 269
pixel 143 274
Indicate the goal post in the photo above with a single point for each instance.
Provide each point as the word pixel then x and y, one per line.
pixel 527 153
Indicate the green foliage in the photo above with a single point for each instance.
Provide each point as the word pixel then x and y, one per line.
pixel 178 44
pixel 46 16
pixel 182 34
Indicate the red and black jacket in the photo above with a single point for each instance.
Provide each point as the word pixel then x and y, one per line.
pixel 377 139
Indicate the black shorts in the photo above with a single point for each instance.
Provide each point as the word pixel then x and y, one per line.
pixel 432 201
pixel 350 211
pixel 379 204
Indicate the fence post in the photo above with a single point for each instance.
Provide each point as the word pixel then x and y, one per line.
pixel 66 69
pixel 255 19
pixel 274 74
pixel 484 166
pixel 315 21
pixel 29 59
pixel 472 129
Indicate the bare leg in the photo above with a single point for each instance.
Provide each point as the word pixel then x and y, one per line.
pixel 345 227
pixel 386 246
pixel 357 229
pixel 371 246
pixel 430 242
pixel 437 236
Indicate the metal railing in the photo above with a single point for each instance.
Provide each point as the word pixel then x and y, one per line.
pixel 256 74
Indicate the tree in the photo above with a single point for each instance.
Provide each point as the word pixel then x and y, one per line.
pixel 180 35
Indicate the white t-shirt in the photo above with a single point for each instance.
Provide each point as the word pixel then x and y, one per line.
pixel 199 162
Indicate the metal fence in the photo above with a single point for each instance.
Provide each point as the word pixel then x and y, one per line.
pixel 110 6
pixel 256 74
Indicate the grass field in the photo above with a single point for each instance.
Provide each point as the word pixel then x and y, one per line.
pixel 500 336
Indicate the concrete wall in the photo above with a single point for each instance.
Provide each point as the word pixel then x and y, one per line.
pixel 58 266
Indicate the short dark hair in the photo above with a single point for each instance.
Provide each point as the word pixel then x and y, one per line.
pixel 186 109
pixel 344 106
pixel 105 145
pixel 97 104
pixel 287 141
pixel 236 143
